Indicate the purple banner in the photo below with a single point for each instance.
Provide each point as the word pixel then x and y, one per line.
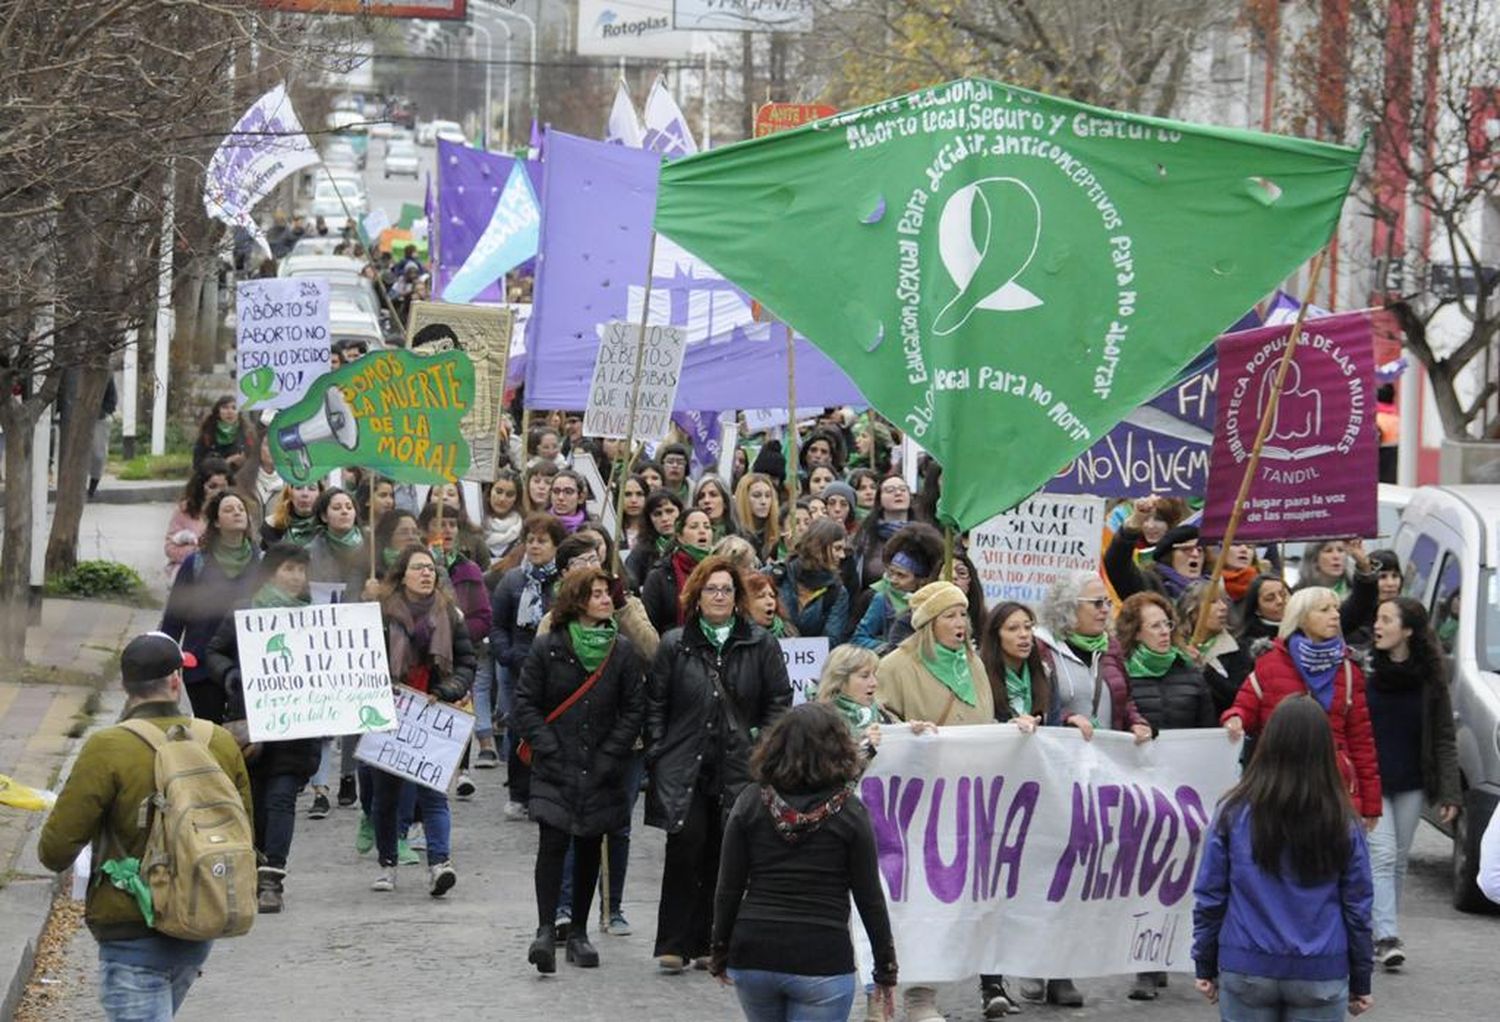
pixel 469 185
pixel 1317 473
pixel 597 203
pixel 704 431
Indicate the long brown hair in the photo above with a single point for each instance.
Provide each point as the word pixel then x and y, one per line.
pixel 992 655
pixel 808 749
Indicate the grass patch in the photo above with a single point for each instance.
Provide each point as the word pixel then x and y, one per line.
pixel 96 580
pixel 174 465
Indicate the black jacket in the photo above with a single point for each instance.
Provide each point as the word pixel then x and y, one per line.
pixel 642 558
pixel 659 594
pixel 510 642
pixel 202 597
pixel 299 756
pixel 689 736
pixel 1178 699
pixel 578 761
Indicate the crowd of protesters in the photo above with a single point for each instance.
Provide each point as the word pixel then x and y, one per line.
pixel 595 672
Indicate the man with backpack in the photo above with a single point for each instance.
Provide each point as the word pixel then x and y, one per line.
pixel 165 801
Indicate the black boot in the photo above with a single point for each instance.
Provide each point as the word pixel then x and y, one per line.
pixel 93 486
pixel 543 953
pixel 580 952
pixel 268 889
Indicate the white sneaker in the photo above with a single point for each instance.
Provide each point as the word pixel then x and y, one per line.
pixel 440 879
pixel 516 811
pixel 385 880
pixel 465 789
pixel 416 838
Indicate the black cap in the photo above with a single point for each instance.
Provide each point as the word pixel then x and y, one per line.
pixel 153 655
pixel 771 461
pixel 1178 535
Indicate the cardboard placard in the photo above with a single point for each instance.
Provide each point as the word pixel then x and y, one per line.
pixel 613 384
pixel 1021 553
pixel 804 665
pixel 427 744
pixel 281 339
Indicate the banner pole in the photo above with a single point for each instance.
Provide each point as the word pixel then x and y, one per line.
pixel 791 435
pixel 635 396
pixel 1260 439
pixel 370 532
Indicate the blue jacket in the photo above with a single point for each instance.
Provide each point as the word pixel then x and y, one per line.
pixel 1248 921
pixel 827 615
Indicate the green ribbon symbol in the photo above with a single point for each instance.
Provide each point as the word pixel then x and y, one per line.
pixel 277 644
pixel 370 718
pixel 258 385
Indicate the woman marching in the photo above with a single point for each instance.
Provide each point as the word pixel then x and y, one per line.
pixel 1412 719
pixel 277 769
pixel 1281 919
pixel 811 587
pixel 662 588
pixel 798 844
pixel 579 706
pixel 717 682
pixel 428 649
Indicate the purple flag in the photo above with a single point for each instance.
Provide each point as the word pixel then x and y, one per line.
pixel 1317 473
pixel 469 185
pixel 704 431
pixel 597 204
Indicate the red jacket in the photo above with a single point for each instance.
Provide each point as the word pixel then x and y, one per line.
pixel 1275 677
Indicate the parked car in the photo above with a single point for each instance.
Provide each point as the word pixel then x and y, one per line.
pixel 426 133
pixel 381 129
pixel 448 131
pixel 401 159
pixel 1449 545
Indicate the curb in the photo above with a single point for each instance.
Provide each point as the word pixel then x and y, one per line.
pixel 145 493
pixel 26 905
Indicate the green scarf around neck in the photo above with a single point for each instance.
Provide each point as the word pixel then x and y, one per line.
pixel 1089 643
pixel 951 667
pixel 778 627
pixel 664 545
pixel 1145 662
pixel 226 433
pixel 592 645
pixel 1018 689
pixel 898 600
pixel 348 541
pixel 233 560
pixel 388 557
pixel 301 530
pixel 269 596
pixel 856 714
pixel 697 553
pixel 717 634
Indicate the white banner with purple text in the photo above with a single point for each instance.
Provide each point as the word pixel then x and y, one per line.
pixel 1042 854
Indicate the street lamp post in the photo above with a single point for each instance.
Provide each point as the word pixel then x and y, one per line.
pixel 489 63
pixel 504 12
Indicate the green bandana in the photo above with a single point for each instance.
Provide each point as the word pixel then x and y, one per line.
pixel 234 561
pixel 861 513
pixel 664 544
pixel 350 540
pixel 1145 662
pixel 388 557
pixel 269 596
pixel 697 553
pixel 126 875
pixel 857 715
pixel 592 645
pixel 717 634
pixel 226 433
pixel 1089 643
pixel 898 599
pixel 300 530
pixel 1018 689
pixel 778 627
pixel 951 667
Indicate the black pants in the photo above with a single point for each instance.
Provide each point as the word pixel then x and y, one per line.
pixel 517 777
pixel 551 850
pixel 684 919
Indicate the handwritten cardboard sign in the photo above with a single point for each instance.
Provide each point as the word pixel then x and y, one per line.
pixel 613 385
pixel 281 339
pixel 1021 553
pixel 425 747
pixel 311 672
pixel 483 332
pixel 804 665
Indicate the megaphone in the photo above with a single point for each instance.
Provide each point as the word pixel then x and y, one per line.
pixel 335 421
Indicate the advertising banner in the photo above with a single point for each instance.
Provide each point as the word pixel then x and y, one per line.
pixel 630 28
pixel 743 15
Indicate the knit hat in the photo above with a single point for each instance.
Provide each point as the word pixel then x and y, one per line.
pixel 1175 536
pixel 934 598
pixel 838 488
pixel 771 461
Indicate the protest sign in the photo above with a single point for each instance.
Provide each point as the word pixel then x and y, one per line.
pixel 483 333
pixel 804 665
pixel 1317 475
pixel 425 747
pixel 974 252
pixel 600 502
pixel 1021 553
pixel 773 117
pixel 394 411
pixel 311 672
pixel 613 387
pixel 1042 854
pixel 326 592
pixel 281 339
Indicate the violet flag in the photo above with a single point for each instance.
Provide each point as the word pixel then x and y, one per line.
pixel 667 130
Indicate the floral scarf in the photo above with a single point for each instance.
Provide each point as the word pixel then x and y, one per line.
pixel 1317 663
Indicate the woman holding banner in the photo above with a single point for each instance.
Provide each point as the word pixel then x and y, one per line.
pixel 579 706
pixel 1074 626
pixel 935 675
pixel 278 770
pixel 717 682
pixel 428 649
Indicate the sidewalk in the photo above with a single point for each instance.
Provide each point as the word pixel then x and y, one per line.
pixel 113 490
pixel 70 653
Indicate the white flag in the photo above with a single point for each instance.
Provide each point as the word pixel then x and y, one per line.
pixel 667 130
pixel 624 126
pixel 265 146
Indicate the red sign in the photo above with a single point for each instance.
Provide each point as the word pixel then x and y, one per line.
pixel 449 10
pixel 1484 133
pixel 774 117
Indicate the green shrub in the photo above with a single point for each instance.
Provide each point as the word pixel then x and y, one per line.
pixel 172 465
pixel 97 579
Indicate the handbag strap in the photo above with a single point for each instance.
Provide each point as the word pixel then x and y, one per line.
pixel 731 708
pixel 581 690
pixel 947 710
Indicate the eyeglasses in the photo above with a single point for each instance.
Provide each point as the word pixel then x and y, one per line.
pixel 1097 602
pixel 719 591
pixel 895 489
pixel 585 559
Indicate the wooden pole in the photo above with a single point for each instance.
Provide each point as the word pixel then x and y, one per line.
pixel 635 395
pixel 792 465
pixel 1260 439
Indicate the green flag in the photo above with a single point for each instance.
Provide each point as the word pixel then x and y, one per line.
pixel 392 411
pixel 1003 274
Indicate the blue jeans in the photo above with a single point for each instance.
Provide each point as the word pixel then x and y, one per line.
pixel 275 801
pixel 505 701
pixel 484 692
pixel 436 821
pixel 319 778
pixel 1245 998
pixel 146 980
pixel 786 997
pixel 1390 846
